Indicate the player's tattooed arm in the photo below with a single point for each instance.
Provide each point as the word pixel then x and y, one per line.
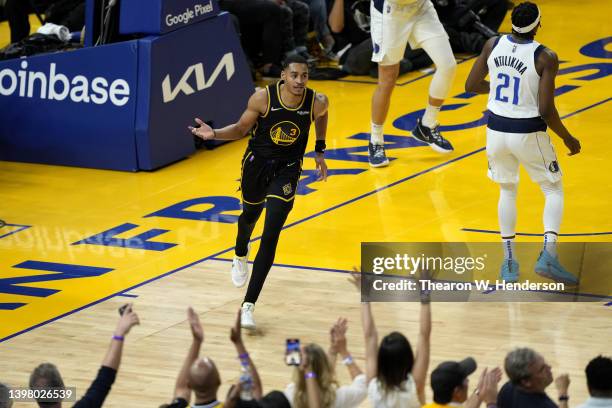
pixel 257 106
pixel 476 79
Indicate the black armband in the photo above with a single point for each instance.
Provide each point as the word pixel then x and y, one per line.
pixel 320 146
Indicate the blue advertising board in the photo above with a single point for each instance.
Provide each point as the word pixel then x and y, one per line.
pixel 162 16
pixel 196 71
pixel 74 108
pixel 123 106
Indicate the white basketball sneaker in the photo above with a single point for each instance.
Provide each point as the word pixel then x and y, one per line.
pixel 240 269
pixel 246 316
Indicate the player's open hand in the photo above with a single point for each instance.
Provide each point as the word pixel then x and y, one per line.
pixel 321 167
pixel 573 145
pixel 203 131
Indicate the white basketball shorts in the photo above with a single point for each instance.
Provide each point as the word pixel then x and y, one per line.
pixel 393 25
pixel 533 150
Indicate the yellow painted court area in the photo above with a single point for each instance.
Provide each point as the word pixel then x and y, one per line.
pixel 422 196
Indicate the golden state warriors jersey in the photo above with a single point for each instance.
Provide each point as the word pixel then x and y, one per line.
pixel 282 132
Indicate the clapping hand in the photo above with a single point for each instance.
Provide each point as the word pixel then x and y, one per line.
pixel 127 320
pixel 196 326
pixel 338 336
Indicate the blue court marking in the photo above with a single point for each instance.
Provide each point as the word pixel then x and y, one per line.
pixel 490 290
pixel 586 108
pixel 361 81
pixel 232 247
pixel 11 306
pixel 22 227
pixel 128 295
pixel 608 304
pixel 530 234
pixel 108 297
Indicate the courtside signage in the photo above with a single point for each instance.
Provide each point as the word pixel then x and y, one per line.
pixel 196 72
pixel 53 85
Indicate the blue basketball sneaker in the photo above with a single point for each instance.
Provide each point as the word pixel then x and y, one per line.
pixel 549 267
pixel 377 156
pixel 509 271
pixel 432 137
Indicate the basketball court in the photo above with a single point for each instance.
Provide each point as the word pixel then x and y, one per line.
pixel 79 243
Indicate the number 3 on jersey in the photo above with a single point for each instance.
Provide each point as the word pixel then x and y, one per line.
pixel 505 85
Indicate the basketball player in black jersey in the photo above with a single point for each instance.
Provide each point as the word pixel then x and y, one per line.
pixel 280 116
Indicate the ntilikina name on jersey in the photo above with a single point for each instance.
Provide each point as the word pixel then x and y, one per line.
pixel 512 62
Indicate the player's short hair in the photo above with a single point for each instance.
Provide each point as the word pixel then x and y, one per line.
pixel 523 15
pixel 294 59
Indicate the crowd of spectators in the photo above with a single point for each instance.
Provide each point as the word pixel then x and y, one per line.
pixel 322 31
pixel 341 31
pixel 395 374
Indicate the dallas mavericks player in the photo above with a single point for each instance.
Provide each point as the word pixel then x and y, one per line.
pixel 521 105
pixel 393 24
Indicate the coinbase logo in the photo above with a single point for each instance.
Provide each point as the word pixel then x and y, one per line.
pixel 56 86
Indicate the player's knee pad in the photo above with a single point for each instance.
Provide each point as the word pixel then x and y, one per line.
pixel 443 79
pixel 442 56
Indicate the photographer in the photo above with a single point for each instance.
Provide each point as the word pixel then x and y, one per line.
pixel 470 23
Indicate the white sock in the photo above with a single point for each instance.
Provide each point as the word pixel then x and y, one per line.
pixel 506 211
pixel 376 136
pixel 553 212
pixel 430 118
pixel 508 243
pixel 550 242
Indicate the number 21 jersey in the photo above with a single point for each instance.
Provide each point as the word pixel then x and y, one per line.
pixel 514 79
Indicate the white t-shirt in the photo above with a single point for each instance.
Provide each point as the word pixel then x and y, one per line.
pixel 404 397
pixel 347 396
pixel 597 403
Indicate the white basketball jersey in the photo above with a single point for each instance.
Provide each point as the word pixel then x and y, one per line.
pixel 514 79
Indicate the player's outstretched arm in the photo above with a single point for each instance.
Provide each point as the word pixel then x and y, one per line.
pixel 320 114
pixel 549 64
pixel 475 81
pixel 258 104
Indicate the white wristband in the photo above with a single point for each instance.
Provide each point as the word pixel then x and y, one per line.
pixel 348 360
